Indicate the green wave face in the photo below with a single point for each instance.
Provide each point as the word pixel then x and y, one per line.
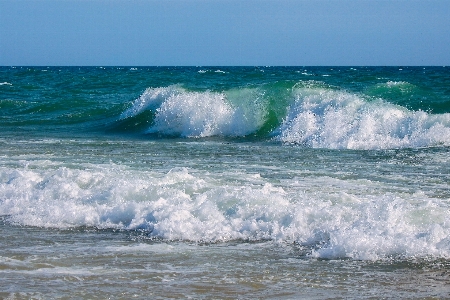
pixel 253 111
pixel 308 113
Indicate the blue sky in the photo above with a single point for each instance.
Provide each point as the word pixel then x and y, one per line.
pixel 224 32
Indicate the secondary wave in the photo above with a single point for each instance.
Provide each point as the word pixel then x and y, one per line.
pixel 320 117
pixel 184 205
pixel 176 111
pixel 310 113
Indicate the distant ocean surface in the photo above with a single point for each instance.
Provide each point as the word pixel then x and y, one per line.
pixel 224 182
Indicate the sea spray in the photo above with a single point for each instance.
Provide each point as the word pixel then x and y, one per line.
pixel 309 113
pixel 185 113
pixel 327 118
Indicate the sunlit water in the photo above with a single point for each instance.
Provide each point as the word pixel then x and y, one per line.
pixel 244 183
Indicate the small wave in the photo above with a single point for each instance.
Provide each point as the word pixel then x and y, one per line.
pixel 200 114
pixel 5 83
pixel 410 96
pixel 324 118
pixel 397 83
pixel 395 87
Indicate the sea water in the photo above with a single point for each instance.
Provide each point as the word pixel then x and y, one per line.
pixel 224 182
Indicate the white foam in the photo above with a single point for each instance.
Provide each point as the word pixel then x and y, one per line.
pixel 193 114
pixel 335 218
pixel 397 83
pixel 325 118
pixel 152 98
pixel 318 116
pixel 200 114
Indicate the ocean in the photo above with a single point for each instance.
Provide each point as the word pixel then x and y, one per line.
pixel 224 182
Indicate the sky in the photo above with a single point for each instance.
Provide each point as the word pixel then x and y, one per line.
pixel 224 32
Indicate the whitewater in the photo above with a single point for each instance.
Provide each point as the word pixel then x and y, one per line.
pixel 314 116
pixel 230 182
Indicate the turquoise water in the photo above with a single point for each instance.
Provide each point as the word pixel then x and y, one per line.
pixel 96 99
pixel 224 182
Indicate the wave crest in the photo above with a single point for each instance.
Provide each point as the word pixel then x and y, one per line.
pixel 200 114
pixel 325 118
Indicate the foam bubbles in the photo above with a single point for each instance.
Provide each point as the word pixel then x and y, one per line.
pixel 199 114
pixel 327 216
pixel 191 114
pixel 317 116
pixel 325 118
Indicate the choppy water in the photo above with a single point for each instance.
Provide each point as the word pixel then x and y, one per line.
pixel 225 182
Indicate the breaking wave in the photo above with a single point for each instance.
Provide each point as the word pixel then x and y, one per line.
pixel 183 205
pixel 310 114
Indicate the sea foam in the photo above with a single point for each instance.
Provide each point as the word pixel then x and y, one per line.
pixel 324 118
pixel 316 116
pixel 322 215
pixel 199 114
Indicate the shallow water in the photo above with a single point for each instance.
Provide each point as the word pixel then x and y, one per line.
pixel 93 264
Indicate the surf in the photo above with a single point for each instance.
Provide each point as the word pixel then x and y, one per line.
pixel 307 113
pixel 326 215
